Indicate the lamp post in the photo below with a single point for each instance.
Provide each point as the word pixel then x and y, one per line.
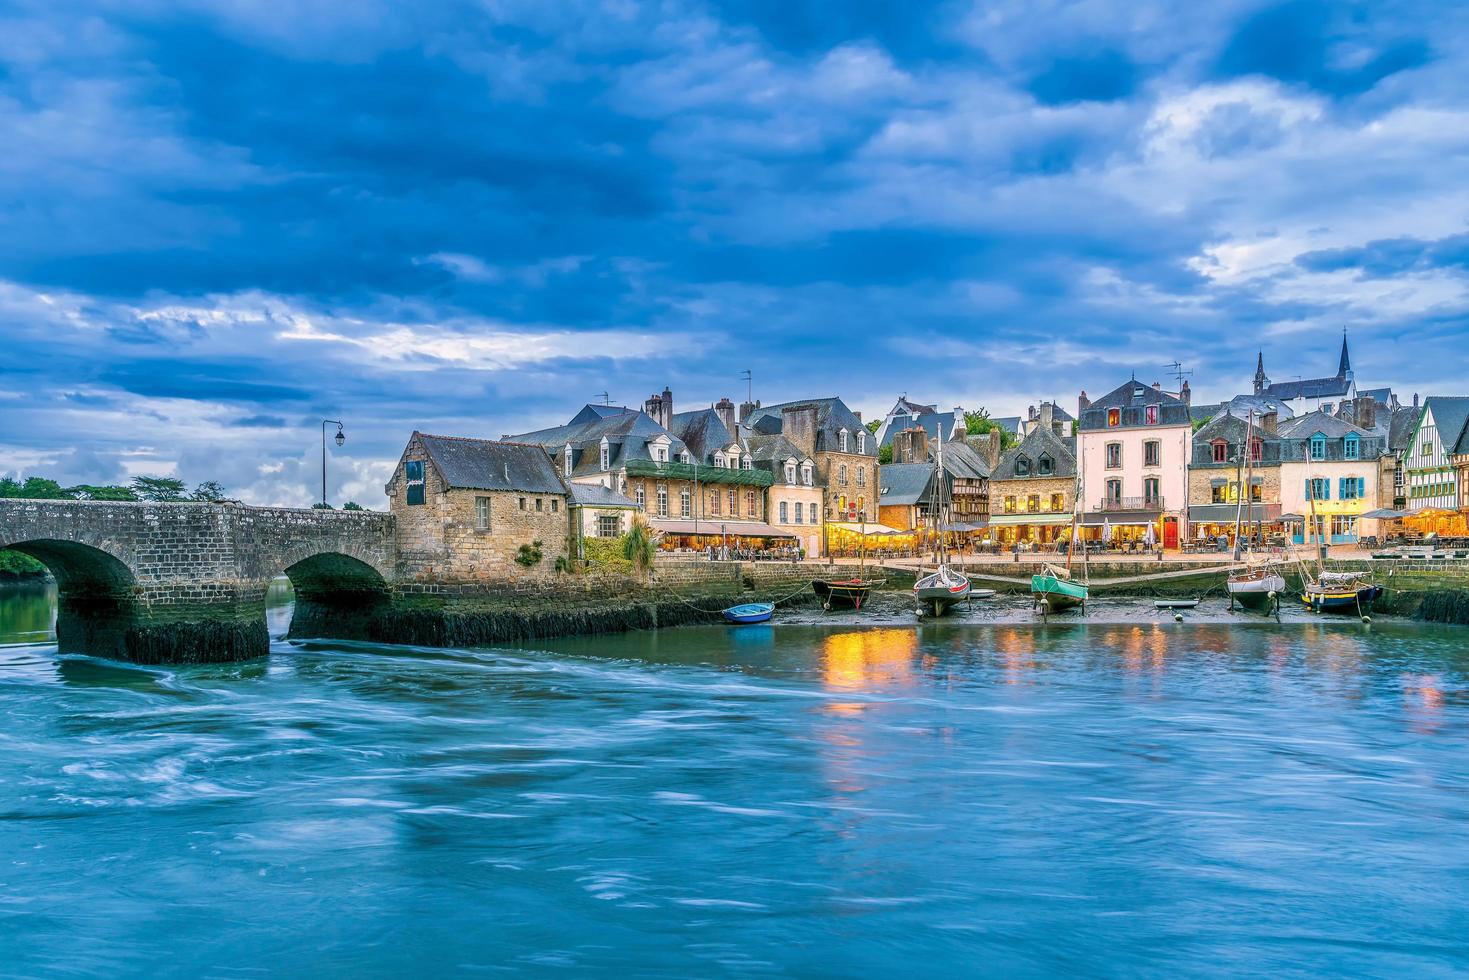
pixel 340 437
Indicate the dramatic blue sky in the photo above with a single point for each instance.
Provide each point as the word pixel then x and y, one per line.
pixel 220 221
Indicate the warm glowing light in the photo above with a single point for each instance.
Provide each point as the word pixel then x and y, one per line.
pixel 869 659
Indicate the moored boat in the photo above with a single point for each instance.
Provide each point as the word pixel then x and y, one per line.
pixel 750 612
pixel 1257 589
pixel 851 592
pixel 1054 589
pixel 939 590
pixel 1344 592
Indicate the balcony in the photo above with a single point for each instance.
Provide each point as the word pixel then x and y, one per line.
pixel 1113 505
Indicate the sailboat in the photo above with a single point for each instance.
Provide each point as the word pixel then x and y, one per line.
pixel 1257 585
pixel 1053 588
pixel 1333 591
pixel 851 592
pixel 944 586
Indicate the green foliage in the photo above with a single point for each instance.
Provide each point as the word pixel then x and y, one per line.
pixel 162 489
pixel 86 491
pixel 606 553
pixel 209 491
pixel 322 505
pixel 1200 423
pixel 885 454
pixel 638 546
pixel 34 488
pixel 979 423
pixel 15 564
pixel 353 505
pixel 529 555
pixel 874 425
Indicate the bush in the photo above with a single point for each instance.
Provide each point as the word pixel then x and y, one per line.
pixel 529 555
pixel 15 564
pixel 606 553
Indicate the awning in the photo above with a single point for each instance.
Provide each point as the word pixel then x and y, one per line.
pixel 1225 513
pixel 1008 520
pixel 1116 520
pixel 1385 514
pixel 870 530
pixel 962 528
pixel 715 528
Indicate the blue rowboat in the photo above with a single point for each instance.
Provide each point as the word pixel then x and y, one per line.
pixel 750 612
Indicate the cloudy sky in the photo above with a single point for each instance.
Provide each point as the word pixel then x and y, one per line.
pixel 223 221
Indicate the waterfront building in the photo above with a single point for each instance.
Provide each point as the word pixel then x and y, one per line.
pixel 1308 395
pixel 1224 449
pixel 598 512
pixel 1431 482
pixel 1133 448
pixel 906 414
pixel 1335 467
pixel 907 494
pixel 1032 492
pixel 794 498
pixel 475 509
pixel 845 457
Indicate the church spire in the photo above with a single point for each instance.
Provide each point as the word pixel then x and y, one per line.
pixel 1344 369
pixel 1261 381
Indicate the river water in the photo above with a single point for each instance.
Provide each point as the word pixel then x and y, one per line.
pixel 1123 798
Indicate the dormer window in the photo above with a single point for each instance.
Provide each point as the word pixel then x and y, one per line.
pixel 605 460
pixel 1046 466
pixel 747 463
pixel 842 440
pixel 566 464
pixel 1318 446
pixel 1219 451
pixel 1352 447
pixel 1114 417
pixel 1150 415
pixel 862 441
pixel 684 457
pixel 1022 466
pixel 719 460
pixel 660 454
pixel 790 471
pixel 806 473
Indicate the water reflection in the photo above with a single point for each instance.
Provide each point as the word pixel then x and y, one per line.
pixel 27 612
pixel 870 659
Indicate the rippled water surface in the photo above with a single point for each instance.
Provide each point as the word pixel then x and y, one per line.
pixel 897 801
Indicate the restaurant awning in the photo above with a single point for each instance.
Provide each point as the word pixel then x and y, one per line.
pixel 1117 520
pixel 1225 513
pixel 715 528
pixel 962 528
pixel 870 530
pixel 1385 514
pixel 1008 520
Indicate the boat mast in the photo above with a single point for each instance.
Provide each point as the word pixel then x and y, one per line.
pixel 1241 489
pixel 940 552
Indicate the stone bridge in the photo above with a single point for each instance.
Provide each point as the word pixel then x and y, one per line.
pixel 156 583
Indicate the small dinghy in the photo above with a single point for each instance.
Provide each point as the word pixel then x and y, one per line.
pixel 982 593
pixel 750 612
pixel 1175 603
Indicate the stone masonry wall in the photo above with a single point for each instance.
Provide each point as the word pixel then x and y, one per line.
pixel 1201 491
pixel 1045 486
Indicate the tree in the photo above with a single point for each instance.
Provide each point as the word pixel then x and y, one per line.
pixel 979 423
pixel 353 505
pixel 322 505
pixel 885 454
pixel 86 491
pixel 34 488
pixel 162 489
pixel 1200 423
pixel 874 425
pixel 209 491
pixel 638 546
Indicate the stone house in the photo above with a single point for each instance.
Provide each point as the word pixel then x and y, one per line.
pixel 465 509
pixel 793 499
pixel 1032 489
pixel 1335 469
pixel 598 512
pixel 906 502
pixel 1222 450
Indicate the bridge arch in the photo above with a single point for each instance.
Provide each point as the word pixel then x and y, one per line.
pixel 96 594
pixel 337 595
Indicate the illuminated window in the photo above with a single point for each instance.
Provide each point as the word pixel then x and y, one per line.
pixel 1058 502
pixel 1009 505
pixel 1033 503
pixel 1114 416
pixel 1150 415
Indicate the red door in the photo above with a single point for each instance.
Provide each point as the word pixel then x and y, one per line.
pixel 1170 532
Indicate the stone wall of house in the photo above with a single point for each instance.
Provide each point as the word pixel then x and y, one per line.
pixel 1201 490
pixel 441 539
pixel 808 532
pixel 828 474
pixel 1043 486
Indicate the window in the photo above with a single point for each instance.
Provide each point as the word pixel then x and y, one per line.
pixel 750 503
pixel 521 501
pixel 862 505
pixel 1343 525
pixel 1152 450
pixel 1233 495
pixel 861 476
pixel 1151 496
pixel 1352 447
pixel 1114 455
pixel 540 504
pixel 413 481
pixel 482 513
pixel 1427 450
pixel 1114 417
pixel 608 525
pixel 1219 451
pixel 1046 465
pixel 662 501
pixel 719 461
pixel 798 513
pixel 790 471
pixel 862 441
pixel 1318 489
pixel 622 483
pixel 747 463
pixel 785 513
pixel 1352 488
pixel 1032 503
pixel 842 475
pixel 605 459
pixel 566 466
pixel 734 504
pixel 1114 491
pixel 1257 493
pixel 1218 494
pixel 684 457
pixel 638 497
pixel 842 440
pixel 1257 449
pixel 1009 505
pixel 685 504
pixel 1318 446
pixel 1150 415
pixel 714 502
pixel 806 474
pixel 1022 466
pixel 1058 502
pixel 555 505
pixel 660 454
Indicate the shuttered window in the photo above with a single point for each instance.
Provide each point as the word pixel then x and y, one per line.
pixel 413 480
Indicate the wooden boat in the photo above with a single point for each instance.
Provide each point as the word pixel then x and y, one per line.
pixel 851 592
pixel 750 612
pixel 1258 589
pixel 1175 603
pixel 1054 589
pixel 937 591
pixel 1345 592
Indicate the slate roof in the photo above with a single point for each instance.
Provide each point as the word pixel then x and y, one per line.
pixel 1402 428
pixel 1032 446
pixel 627 435
pixel 961 461
pixel 1010 423
pixel 1305 426
pixel 1233 429
pixel 1295 437
pixel 904 406
pixel 931 422
pixel 832 415
pixel 1450 416
pixel 904 483
pixel 1380 395
pixel 1132 398
pixel 1310 388
pixel 769 453
pixel 702 432
pixel 1201 412
pixel 482 464
pixel 596 495
pixel 591 413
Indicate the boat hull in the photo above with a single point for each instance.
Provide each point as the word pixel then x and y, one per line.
pixel 1259 594
pixel 753 612
pixel 1355 600
pixel 1057 594
pixel 851 593
pixel 936 593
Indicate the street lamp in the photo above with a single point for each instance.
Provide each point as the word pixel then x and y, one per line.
pixel 340 438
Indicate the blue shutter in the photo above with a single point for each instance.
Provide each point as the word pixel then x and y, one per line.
pixel 1341 488
pixel 1361 486
pixel 1308 489
pixel 1326 489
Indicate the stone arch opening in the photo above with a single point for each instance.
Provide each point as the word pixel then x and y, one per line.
pixel 336 596
pixel 96 595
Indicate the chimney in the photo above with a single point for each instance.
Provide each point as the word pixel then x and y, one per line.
pixel 798 424
pixel 1270 421
pixel 859 416
pixel 1048 416
pixel 653 408
pixel 667 407
pixel 911 446
pixel 1186 394
pixel 747 409
pixel 1415 399
pixel 1082 404
pixel 725 409
pixel 1367 412
pixel 1157 386
pixel 992 448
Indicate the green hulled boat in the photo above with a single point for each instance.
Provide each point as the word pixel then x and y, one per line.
pixel 1055 590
